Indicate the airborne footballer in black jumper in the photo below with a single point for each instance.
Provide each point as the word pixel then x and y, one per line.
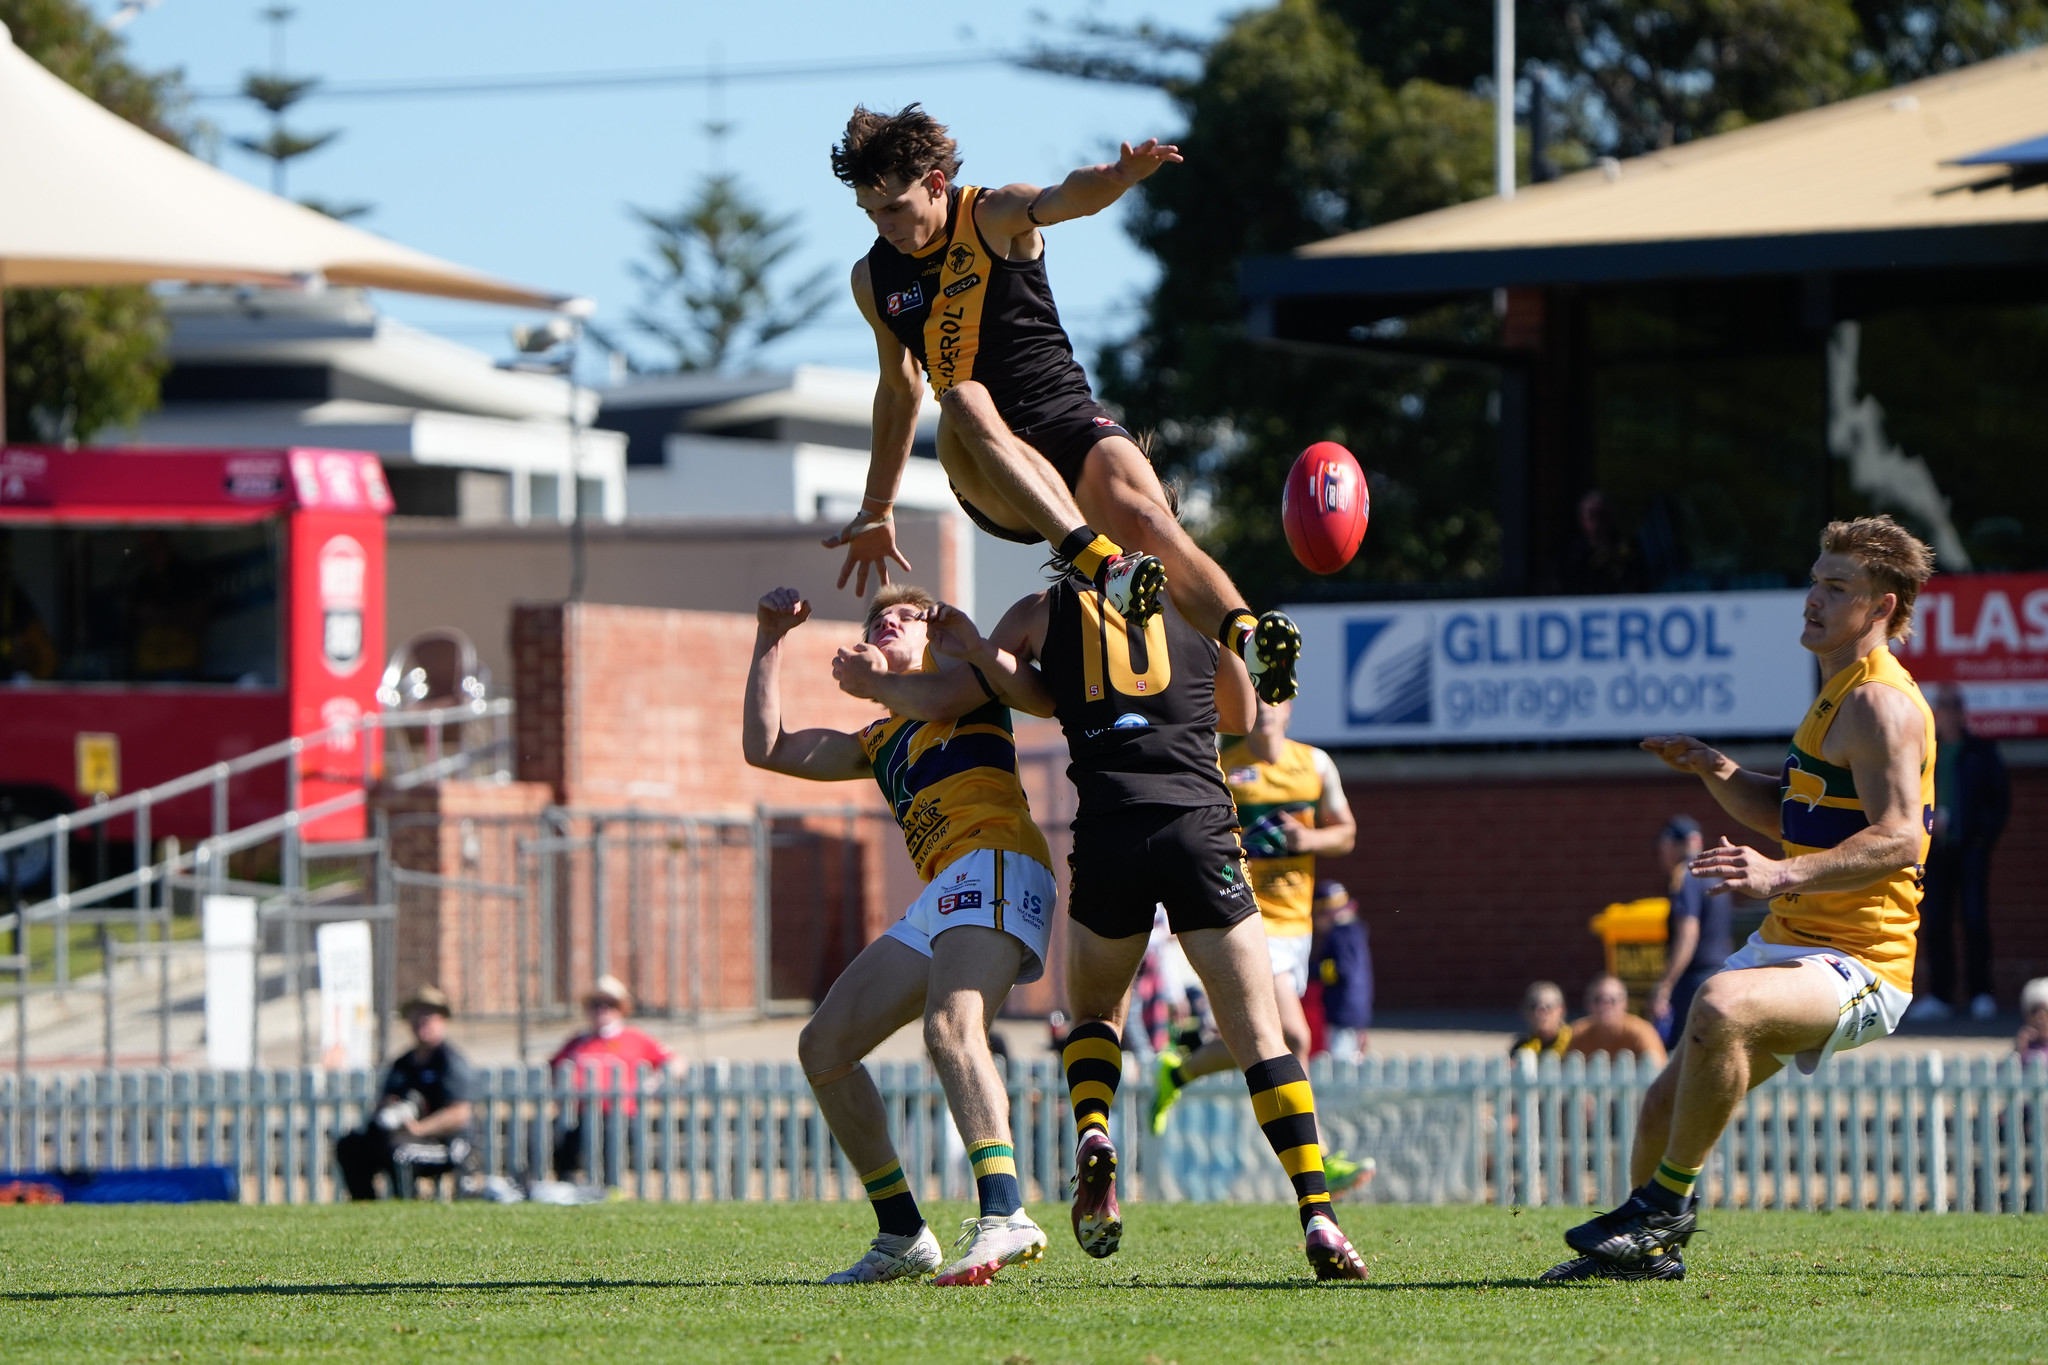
pixel 1155 825
pixel 955 286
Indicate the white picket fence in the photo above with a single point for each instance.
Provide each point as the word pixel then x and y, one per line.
pixel 1889 1132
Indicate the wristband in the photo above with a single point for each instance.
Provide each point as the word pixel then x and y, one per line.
pixel 982 678
pixel 1031 209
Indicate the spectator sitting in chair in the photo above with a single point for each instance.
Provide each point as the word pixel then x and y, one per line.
pixel 1609 1027
pixel 2033 1035
pixel 421 1123
pixel 1543 1027
pixel 605 1056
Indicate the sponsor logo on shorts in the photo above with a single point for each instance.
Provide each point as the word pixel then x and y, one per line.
pixel 959 900
pixel 904 300
pixel 961 286
pixel 1841 968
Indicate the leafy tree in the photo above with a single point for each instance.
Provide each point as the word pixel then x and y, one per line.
pixel 80 360
pixel 709 296
pixel 1313 117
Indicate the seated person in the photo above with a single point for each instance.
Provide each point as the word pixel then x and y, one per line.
pixel 2033 1035
pixel 423 1112
pixel 1543 1027
pixel 1609 1027
pixel 605 1057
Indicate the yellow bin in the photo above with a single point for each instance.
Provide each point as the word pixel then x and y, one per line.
pixel 1634 934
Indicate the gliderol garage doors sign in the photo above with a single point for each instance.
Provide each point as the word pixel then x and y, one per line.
pixel 1552 668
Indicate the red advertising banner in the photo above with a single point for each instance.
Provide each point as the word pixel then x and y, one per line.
pixel 1988 634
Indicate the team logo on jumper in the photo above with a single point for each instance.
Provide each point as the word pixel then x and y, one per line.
pixel 961 258
pixel 1387 670
pixel 959 900
pixel 903 300
pixel 1802 786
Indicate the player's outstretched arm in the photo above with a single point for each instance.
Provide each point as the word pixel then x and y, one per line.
pixel 1016 683
pixel 870 538
pixel 821 755
pixel 1751 798
pixel 1884 740
pixel 1015 210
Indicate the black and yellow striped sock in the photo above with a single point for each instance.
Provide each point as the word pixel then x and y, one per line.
pixel 1094 1058
pixel 995 1178
pixel 1088 550
pixel 895 1206
pixel 1238 626
pixel 1672 1185
pixel 1286 1110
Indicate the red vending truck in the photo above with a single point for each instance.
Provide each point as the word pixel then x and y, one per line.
pixel 163 610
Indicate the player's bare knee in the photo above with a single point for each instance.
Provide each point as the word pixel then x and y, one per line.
pixel 1716 1014
pixel 817 1049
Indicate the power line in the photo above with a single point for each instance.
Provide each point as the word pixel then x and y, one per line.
pixel 572 82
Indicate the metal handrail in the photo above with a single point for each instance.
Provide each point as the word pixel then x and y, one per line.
pixel 254 759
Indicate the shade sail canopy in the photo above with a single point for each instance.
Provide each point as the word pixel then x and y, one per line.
pixel 87 198
pixel 1867 183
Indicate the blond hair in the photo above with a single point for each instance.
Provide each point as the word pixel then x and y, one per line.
pixel 895 595
pixel 1897 561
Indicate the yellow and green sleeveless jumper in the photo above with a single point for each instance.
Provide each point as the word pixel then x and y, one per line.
pixel 1819 808
pixel 1268 795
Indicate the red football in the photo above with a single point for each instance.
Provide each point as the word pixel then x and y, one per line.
pixel 1325 507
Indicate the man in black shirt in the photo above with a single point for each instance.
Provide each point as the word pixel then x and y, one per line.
pixel 423 1111
pixel 1155 825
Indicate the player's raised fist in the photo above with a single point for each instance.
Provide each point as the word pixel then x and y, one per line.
pixel 951 632
pixel 781 611
pixel 856 667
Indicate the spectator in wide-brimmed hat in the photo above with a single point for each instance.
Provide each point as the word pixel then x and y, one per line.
pixel 422 1116
pixel 606 1057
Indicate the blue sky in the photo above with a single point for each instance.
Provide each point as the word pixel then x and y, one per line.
pixel 535 187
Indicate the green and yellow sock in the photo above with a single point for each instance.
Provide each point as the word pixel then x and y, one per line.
pixel 1286 1110
pixel 995 1178
pixel 1094 1059
pixel 1672 1185
pixel 1088 550
pixel 895 1207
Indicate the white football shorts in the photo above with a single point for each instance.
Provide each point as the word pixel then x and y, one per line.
pixel 1871 1006
pixel 995 890
pixel 1289 953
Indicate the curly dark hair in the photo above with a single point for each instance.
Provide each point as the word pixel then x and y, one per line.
pixel 906 145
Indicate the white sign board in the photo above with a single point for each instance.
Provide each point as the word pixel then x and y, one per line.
pixel 347 1025
pixel 228 929
pixel 1538 668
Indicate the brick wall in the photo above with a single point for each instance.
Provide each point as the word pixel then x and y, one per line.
pixel 461 940
pixel 1475 888
pixel 640 708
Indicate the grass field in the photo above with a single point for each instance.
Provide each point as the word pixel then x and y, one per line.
pixel 426 1282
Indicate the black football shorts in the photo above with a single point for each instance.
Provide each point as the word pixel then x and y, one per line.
pixel 1065 441
pixel 1126 861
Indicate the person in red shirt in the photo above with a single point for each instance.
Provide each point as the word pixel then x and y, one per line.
pixel 607 1056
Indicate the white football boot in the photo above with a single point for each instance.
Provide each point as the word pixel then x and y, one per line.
pixel 986 1245
pixel 892 1257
